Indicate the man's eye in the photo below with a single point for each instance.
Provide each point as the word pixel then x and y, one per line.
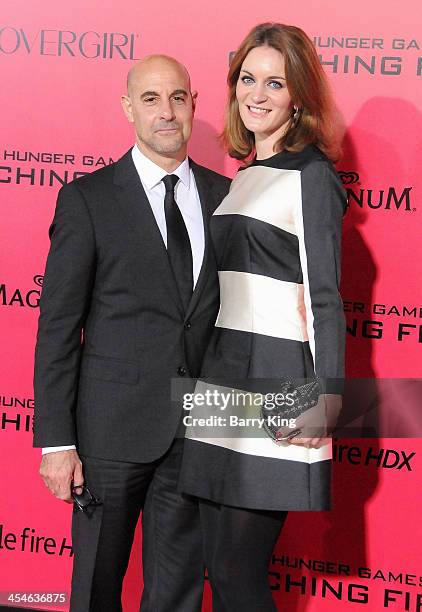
pixel 178 99
pixel 149 100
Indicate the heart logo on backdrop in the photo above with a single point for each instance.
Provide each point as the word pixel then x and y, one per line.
pixel 349 178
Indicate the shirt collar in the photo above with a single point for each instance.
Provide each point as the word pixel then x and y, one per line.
pixel 151 174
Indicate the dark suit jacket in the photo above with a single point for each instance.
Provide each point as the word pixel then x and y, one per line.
pixel 112 332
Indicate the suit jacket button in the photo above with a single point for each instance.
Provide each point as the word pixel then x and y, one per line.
pixel 181 371
pixel 188 325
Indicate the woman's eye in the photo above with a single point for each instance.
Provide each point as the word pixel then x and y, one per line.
pixel 275 85
pixel 247 80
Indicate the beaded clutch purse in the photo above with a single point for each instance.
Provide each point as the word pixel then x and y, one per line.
pixel 300 398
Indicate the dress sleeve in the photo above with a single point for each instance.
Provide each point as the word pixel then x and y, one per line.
pixel 319 227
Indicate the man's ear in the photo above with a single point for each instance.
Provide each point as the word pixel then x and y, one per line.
pixel 194 95
pixel 127 108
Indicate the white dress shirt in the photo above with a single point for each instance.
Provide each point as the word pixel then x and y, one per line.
pixel 187 199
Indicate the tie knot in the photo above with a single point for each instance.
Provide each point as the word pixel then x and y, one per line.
pixel 170 181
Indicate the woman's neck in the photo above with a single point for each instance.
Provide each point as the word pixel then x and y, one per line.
pixel 265 145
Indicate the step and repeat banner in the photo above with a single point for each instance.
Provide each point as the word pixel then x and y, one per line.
pixel 63 69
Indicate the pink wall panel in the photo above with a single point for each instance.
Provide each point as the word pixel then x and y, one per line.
pixel 57 100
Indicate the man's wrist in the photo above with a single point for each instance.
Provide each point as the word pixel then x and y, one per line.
pixel 55 449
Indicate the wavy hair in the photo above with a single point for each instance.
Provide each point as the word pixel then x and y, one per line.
pixel 315 122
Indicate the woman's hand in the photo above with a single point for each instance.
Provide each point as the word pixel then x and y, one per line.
pixel 317 424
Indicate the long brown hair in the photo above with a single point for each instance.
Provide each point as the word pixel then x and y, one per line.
pixel 315 121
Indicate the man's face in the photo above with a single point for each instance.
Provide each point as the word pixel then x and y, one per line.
pixel 161 106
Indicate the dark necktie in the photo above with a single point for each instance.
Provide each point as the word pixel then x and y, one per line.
pixel 178 243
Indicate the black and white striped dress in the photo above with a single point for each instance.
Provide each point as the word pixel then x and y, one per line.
pixel 277 239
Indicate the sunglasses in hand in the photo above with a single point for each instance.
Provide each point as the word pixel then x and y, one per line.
pixel 84 498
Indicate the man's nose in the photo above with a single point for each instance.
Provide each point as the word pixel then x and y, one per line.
pixel 167 111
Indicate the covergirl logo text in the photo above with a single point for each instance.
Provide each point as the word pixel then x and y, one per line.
pixel 61 43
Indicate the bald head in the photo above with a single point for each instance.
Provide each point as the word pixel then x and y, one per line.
pixel 161 105
pixel 155 63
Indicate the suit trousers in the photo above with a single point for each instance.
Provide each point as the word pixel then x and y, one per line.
pixel 172 560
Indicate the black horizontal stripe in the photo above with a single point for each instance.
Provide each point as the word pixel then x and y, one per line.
pixel 240 354
pixel 246 244
pixel 248 481
pixel 286 160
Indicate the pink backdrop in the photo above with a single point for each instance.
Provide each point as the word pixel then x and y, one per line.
pixel 64 67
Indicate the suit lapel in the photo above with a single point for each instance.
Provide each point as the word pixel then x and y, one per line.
pixel 208 205
pixel 134 203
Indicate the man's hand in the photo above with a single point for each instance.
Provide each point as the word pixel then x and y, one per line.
pixel 58 470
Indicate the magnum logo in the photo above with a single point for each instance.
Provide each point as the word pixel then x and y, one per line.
pixel 19 297
pixel 89 44
pixel 389 198
pixel 349 178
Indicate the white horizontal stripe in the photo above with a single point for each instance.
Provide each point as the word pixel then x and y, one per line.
pixel 260 447
pixel 226 402
pixel 266 194
pixel 262 305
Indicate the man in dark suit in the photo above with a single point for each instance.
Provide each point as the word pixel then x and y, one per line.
pixel 130 296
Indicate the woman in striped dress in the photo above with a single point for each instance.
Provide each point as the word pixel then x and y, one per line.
pixel 277 240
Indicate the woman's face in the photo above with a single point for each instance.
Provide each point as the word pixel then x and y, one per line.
pixel 264 101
